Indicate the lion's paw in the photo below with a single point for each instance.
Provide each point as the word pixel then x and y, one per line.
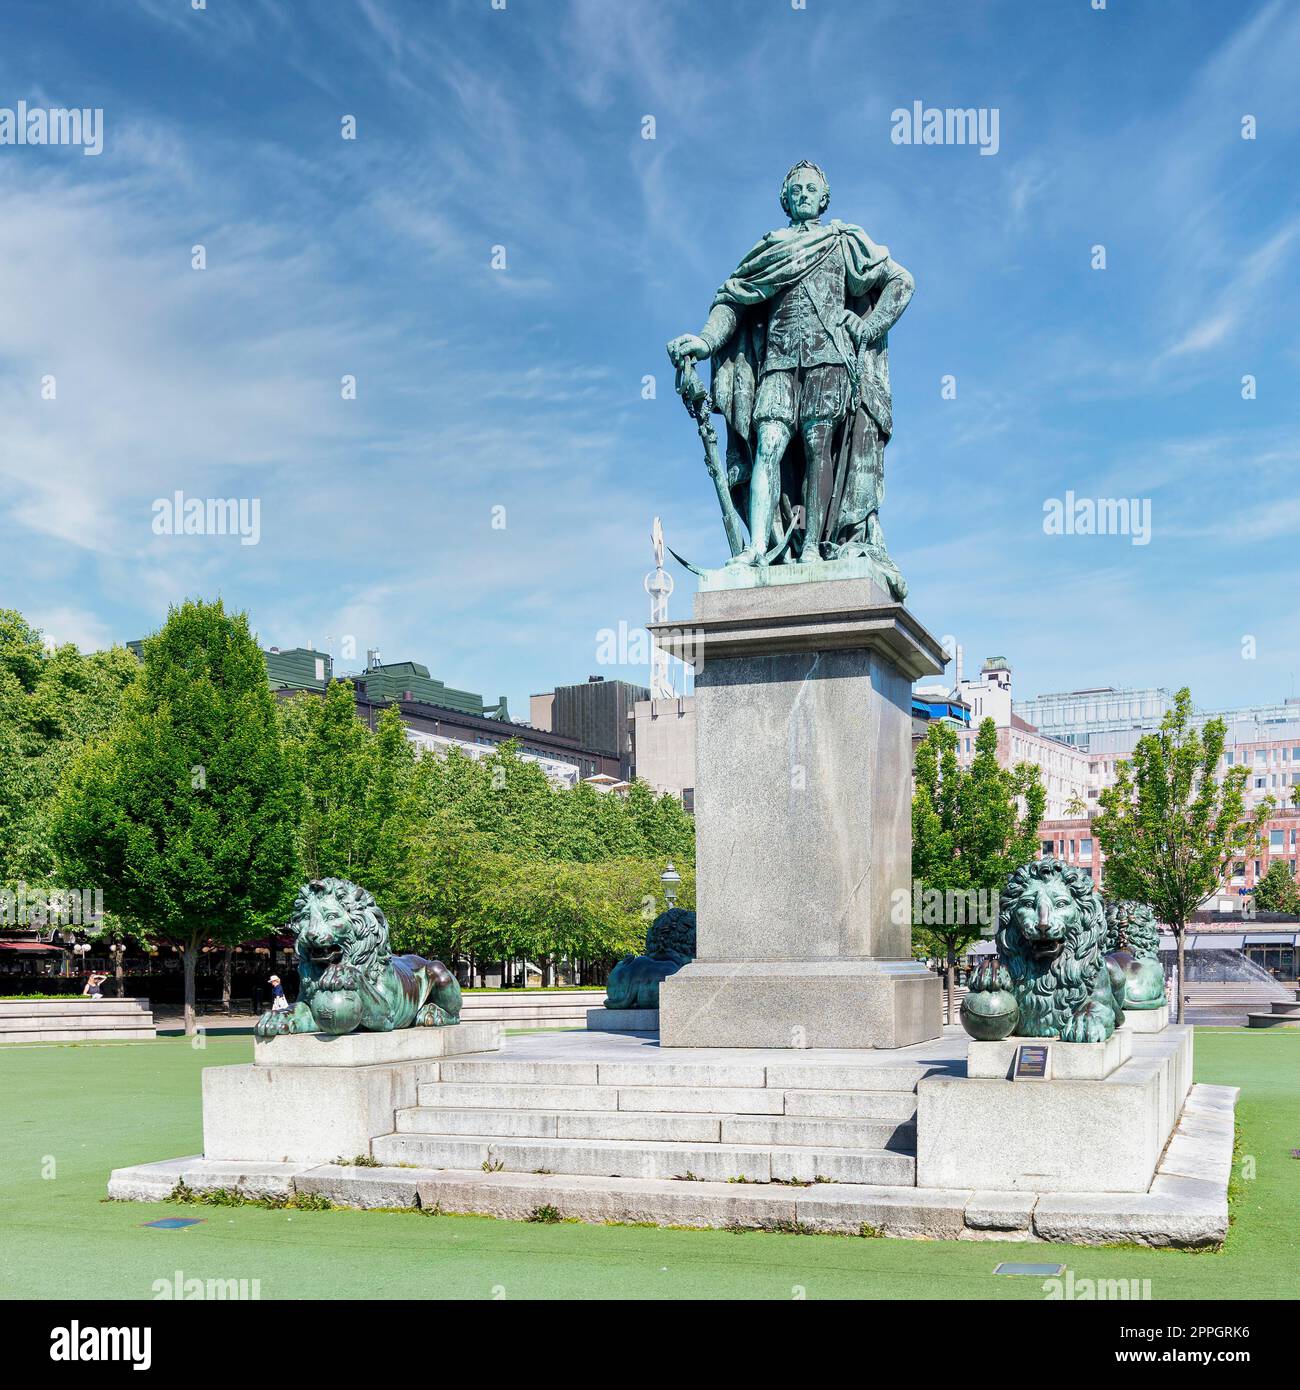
pixel 272 1024
pixel 1084 1027
pixel 343 978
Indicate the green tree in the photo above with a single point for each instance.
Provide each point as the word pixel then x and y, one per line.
pixel 183 812
pixel 51 702
pixel 1277 891
pixel 1170 828
pixel 971 827
pixel 354 790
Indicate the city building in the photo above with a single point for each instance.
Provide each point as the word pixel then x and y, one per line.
pixel 409 682
pixel 1066 772
pixel 598 714
pixel 663 740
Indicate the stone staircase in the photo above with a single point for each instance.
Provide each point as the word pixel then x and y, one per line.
pixel 732 1121
pixel 75 1019
pixel 531 1008
pixel 1282 1013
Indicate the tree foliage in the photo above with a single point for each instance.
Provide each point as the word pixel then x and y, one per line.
pixel 970 828
pixel 1171 827
pixel 478 858
pixel 51 702
pixel 1277 891
pixel 183 811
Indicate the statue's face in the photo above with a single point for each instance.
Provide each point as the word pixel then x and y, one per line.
pixel 805 193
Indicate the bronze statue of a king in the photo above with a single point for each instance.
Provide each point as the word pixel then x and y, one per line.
pixel 798 336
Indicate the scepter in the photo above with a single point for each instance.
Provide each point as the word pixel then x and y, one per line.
pixel 699 406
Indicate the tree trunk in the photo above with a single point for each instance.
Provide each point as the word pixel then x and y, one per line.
pixel 190 959
pixel 225 980
pixel 119 977
pixel 950 981
pixel 1180 939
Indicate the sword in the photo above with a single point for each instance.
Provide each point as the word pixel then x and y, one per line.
pixel 699 406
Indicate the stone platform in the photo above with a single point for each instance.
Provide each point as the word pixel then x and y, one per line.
pixel 312 1097
pixel 1093 1126
pixel 75 1019
pixel 612 1127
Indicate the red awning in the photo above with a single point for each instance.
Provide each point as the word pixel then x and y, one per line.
pixel 44 946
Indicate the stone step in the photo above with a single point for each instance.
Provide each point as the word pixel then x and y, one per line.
pixel 1273 1020
pixel 518 1096
pixel 860 1105
pixel 562 1124
pixel 619 1158
pixel 730 1075
pixel 741 1130
pixel 887 1210
pixel 1285 1006
pixel 79 1035
pixel 83 1021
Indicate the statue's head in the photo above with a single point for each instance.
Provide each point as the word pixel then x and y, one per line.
pixel 805 194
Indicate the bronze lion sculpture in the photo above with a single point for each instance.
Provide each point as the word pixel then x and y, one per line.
pixel 669 944
pixel 1133 942
pixel 1052 959
pixel 347 979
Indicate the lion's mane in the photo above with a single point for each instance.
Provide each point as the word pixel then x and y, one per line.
pixel 367 948
pixel 1049 994
pixel 1132 927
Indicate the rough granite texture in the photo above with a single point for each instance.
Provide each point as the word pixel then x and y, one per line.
pixel 803 824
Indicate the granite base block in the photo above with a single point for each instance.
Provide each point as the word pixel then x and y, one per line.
pixel 1068 1061
pixel 800 1004
pixel 623 1020
pixel 375 1049
pixel 1147 1020
pixel 1063 1135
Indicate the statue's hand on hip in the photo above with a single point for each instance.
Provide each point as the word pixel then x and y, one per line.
pixel 688 347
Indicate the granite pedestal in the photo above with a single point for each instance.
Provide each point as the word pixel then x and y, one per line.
pixel 802 815
pixel 314 1097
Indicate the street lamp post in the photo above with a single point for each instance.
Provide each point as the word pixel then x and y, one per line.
pixel 670 878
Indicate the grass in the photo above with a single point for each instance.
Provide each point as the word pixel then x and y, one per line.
pixel 74 1111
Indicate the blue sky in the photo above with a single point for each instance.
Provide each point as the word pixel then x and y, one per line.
pixel 521 388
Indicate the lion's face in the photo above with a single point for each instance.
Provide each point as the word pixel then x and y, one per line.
pixel 337 923
pixel 324 931
pixel 1046 916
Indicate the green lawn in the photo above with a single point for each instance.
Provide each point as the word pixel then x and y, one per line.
pixel 81 1109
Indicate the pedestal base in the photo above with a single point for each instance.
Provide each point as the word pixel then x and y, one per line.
pixel 623 1020
pixel 1066 1061
pixel 315 1097
pixel 1063 1135
pixel 797 1004
pixel 1147 1020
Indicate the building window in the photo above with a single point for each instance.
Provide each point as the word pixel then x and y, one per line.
pixel 1276 840
pixel 1049 848
pixel 688 799
pixel 1085 849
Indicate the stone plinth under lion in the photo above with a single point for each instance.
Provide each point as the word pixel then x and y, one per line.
pixel 329 1075
pixel 802 814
